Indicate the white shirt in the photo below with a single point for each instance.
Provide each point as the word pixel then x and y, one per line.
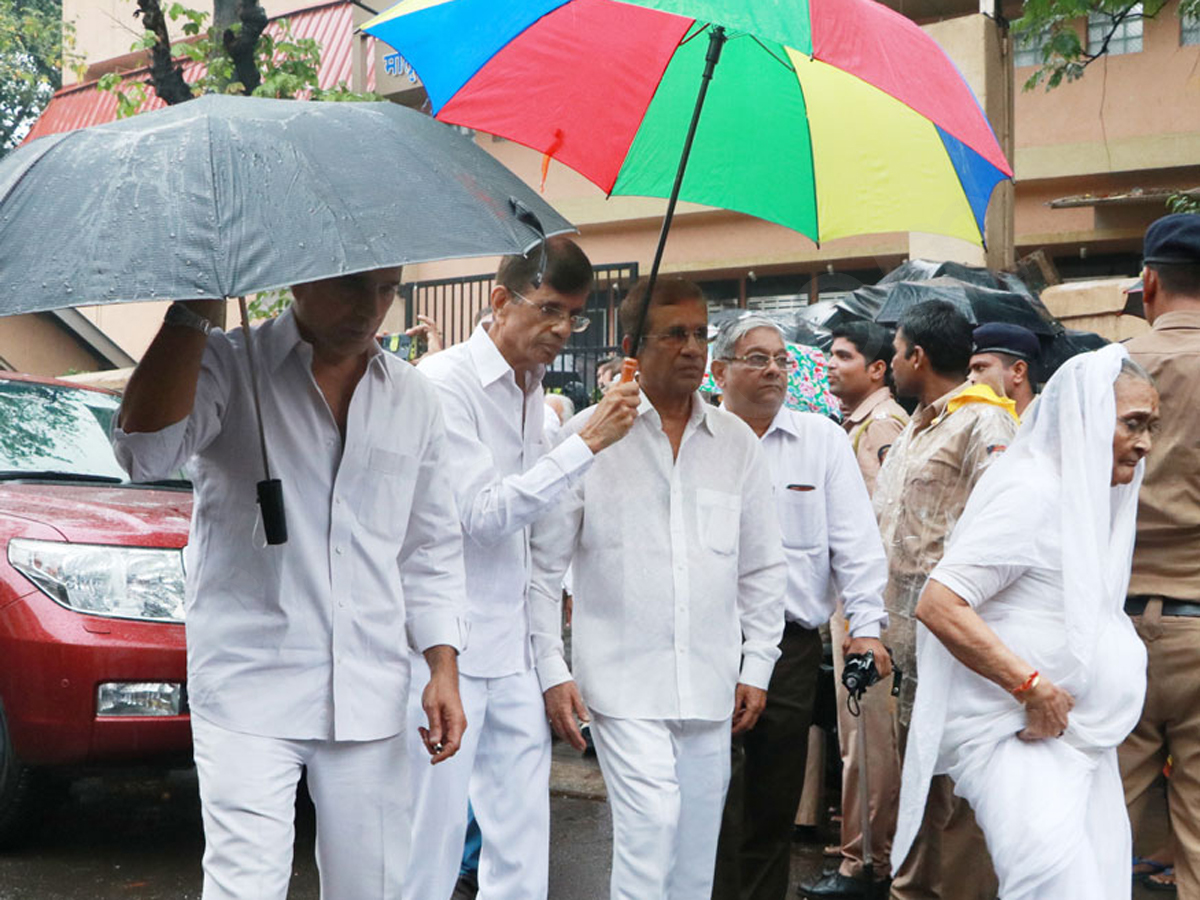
pixel 307 639
pixel 502 482
pixel 830 536
pixel 678 572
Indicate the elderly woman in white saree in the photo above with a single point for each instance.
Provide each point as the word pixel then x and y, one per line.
pixel 1031 673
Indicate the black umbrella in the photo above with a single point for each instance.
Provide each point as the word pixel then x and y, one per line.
pixel 978 303
pixel 224 196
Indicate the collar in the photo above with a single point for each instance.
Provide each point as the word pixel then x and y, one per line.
pixel 277 338
pixel 868 405
pixel 982 393
pixel 924 416
pixel 1178 318
pixel 785 420
pixel 956 399
pixel 701 414
pixel 490 364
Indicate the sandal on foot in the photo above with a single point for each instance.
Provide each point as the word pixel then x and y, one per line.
pixel 1160 881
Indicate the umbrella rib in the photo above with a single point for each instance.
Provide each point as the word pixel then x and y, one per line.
pixel 812 155
pixel 212 174
pixel 771 53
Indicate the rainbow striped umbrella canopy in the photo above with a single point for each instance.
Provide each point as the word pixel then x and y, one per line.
pixel 832 117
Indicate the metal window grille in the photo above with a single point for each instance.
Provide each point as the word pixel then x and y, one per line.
pixel 1189 29
pixel 1028 51
pixel 454 303
pixel 1126 39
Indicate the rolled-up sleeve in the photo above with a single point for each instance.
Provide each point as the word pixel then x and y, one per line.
pixel 857 559
pixel 552 543
pixel 154 455
pixel 492 506
pixel 762 576
pixel 431 560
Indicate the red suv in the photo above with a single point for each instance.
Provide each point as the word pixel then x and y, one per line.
pixel 92 654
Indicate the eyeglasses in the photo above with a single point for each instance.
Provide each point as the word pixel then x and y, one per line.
pixel 678 336
pixel 785 361
pixel 554 311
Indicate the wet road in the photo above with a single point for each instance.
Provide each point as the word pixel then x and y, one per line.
pixel 139 838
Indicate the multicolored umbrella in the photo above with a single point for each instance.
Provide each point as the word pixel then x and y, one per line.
pixel 832 117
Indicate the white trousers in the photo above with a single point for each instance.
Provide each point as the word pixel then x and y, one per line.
pixel 666 784
pixel 503 768
pixel 248 796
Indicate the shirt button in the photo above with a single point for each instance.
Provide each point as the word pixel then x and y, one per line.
pixel 338 550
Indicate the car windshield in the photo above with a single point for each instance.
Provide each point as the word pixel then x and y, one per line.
pixel 54 429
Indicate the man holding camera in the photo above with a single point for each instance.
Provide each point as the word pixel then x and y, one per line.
pixel 829 534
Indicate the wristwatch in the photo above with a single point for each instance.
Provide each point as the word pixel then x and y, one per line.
pixel 178 314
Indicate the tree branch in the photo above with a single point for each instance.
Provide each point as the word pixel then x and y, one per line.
pixel 240 44
pixel 165 75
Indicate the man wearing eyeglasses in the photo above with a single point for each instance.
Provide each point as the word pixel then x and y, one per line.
pixel 492 399
pixel 830 540
pixel 678 585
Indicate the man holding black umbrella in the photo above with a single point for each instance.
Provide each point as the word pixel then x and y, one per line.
pixel 297 652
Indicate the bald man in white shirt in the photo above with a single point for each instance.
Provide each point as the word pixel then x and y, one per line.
pixel 678 584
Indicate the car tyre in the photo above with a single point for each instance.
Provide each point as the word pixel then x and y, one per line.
pixel 17 783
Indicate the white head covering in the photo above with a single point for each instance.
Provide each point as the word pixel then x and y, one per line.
pixel 1057 473
pixel 1048 503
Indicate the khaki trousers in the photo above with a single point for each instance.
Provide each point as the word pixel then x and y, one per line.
pixel 1170 726
pixel 949 859
pixel 883 766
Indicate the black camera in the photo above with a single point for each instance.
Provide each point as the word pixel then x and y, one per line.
pixel 859 673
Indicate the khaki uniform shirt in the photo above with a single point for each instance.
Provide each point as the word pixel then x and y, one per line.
pixel 1166 558
pixel 873 427
pixel 919 495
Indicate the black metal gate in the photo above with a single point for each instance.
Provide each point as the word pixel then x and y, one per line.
pixel 455 303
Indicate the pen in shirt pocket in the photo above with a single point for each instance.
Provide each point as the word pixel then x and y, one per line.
pixel 801 487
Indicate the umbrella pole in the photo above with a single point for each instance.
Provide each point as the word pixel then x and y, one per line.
pixel 716 40
pixel 270 490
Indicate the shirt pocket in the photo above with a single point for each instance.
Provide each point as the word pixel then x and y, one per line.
pixel 719 519
pixel 802 517
pixel 387 492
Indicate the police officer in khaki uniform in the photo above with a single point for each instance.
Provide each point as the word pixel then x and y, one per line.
pixel 956 432
pixel 1164 591
pixel 859 374
pixel 1005 358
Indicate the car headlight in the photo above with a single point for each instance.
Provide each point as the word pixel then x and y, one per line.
pixel 104 580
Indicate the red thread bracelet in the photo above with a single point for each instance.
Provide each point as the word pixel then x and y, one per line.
pixel 1027 685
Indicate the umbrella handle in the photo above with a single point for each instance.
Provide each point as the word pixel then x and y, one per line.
pixel 270 490
pixel 628 369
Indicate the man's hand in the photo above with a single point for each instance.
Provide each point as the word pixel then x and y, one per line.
pixel 429 330
pixel 613 417
pixel 748 704
pixel 442 705
pixel 1046 709
pixel 563 705
pixel 883 659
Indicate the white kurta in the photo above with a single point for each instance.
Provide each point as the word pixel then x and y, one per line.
pixel 1043 806
pixel 1042 553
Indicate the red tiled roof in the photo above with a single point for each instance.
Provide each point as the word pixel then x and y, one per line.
pixel 331 25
